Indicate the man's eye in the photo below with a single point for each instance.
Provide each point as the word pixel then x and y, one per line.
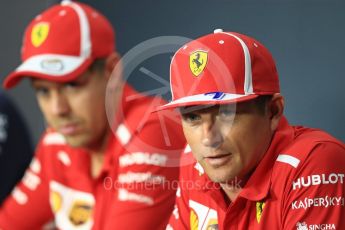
pixel 42 91
pixel 227 112
pixel 191 117
pixel 72 84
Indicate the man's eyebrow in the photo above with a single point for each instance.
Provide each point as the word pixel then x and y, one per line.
pixel 84 78
pixel 196 108
pixel 35 82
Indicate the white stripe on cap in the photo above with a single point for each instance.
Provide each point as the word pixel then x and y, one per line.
pixel 248 82
pixel 293 161
pixel 85 43
pixel 170 72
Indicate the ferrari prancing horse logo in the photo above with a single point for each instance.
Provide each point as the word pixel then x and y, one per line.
pixel 260 205
pixel 39 33
pixel 197 62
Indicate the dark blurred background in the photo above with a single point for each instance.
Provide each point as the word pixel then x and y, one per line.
pixel 306 38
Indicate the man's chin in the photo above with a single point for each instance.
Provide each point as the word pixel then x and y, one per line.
pixel 221 177
pixel 75 142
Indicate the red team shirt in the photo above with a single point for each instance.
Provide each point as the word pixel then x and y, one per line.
pixel 299 184
pixel 129 193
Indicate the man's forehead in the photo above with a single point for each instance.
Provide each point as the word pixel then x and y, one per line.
pixel 206 108
pixel 39 81
pixel 35 80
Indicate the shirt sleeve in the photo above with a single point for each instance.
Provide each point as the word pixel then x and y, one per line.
pixel 148 177
pixel 28 207
pixel 316 197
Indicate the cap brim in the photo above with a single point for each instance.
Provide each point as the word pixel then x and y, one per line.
pixel 206 99
pixel 58 68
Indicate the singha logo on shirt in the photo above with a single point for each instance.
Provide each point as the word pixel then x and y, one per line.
pixel 302 226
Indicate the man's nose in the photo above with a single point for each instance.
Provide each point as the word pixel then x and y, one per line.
pixel 211 134
pixel 59 104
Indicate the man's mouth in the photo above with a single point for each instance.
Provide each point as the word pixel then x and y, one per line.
pixel 218 160
pixel 68 129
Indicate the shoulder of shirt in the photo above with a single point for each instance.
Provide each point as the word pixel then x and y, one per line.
pixel 135 101
pixel 140 112
pixel 311 150
pixel 54 148
pixel 141 104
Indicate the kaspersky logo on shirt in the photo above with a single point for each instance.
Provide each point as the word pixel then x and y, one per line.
pixel 305 226
pixel 332 178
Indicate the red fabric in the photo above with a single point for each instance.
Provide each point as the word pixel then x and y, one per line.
pixel 113 203
pixel 277 195
pixel 221 65
pixel 235 66
pixel 59 32
pixel 63 20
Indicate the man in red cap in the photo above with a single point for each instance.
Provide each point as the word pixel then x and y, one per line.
pixel 83 175
pixel 252 169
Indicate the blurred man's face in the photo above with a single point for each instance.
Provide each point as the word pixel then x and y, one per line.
pixel 228 140
pixel 75 109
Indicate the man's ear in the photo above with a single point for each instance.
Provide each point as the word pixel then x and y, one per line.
pixel 113 63
pixel 113 73
pixel 275 110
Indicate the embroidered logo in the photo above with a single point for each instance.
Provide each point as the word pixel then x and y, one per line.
pixel 259 209
pixel 39 33
pixel 197 62
pixel 80 213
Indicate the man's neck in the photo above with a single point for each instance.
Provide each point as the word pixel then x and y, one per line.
pixel 97 161
pixel 233 188
pixel 231 192
pixel 97 156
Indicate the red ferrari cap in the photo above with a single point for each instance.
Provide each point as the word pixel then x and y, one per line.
pixel 60 43
pixel 221 68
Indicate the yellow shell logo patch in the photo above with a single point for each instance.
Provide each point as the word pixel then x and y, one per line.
pixel 259 209
pixel 193 220
pixel 197 62
pixel 80 213
pixel 39 33
pixel 55 201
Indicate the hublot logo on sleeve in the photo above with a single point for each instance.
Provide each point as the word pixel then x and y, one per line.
pixel 332 178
